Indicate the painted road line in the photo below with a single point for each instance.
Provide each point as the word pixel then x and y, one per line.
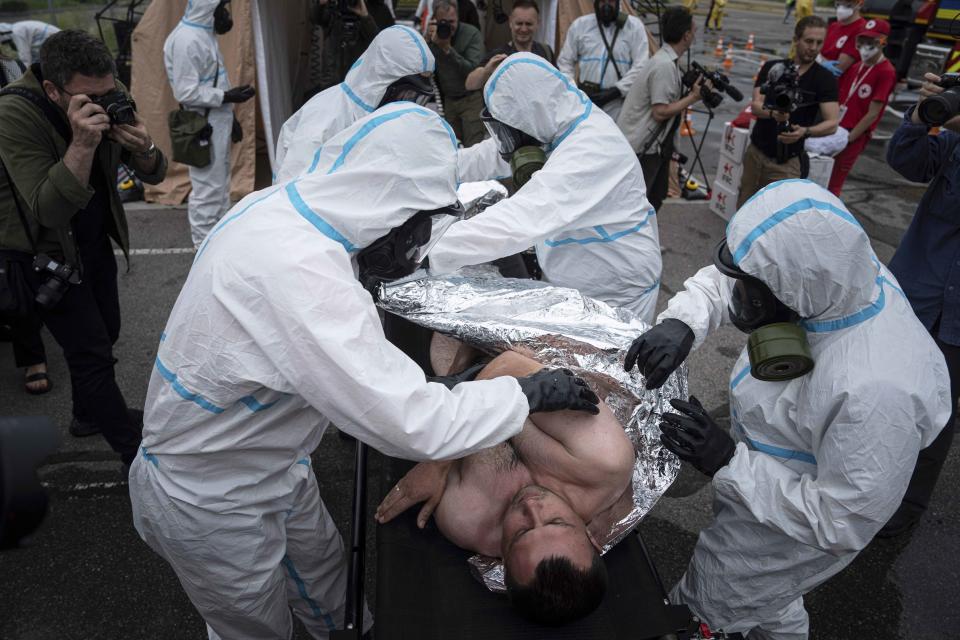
pixel 173 251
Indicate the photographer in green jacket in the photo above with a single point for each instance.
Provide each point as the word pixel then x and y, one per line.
pixel 67 126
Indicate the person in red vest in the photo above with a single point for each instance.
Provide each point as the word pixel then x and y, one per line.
pixel 865 89
pixel 839 49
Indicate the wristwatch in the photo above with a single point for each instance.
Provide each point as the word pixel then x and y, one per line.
pixel 148 152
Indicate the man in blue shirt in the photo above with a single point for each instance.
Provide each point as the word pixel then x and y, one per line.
pixel 927 264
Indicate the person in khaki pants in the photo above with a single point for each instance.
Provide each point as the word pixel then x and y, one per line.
pixel 777 139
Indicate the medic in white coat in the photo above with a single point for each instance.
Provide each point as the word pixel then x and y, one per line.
pixel 396 52
pixel 271 338
pixel 819 461
pixel 27 36
pixel 199 81
pixel 584 53
pixel 586 210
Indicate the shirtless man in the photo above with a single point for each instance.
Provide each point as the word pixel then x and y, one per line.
pixel 543 501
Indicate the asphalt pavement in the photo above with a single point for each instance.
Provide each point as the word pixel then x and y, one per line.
pixel 86 575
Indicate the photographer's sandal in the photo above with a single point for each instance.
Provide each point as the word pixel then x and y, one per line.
pixel 32 378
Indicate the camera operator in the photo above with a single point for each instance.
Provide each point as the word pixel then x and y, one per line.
pixel 458 49
pixel 524 22
pixel 776 142
pixel 58 202
pixel 653 107
pixel 349 26
pixel 925 263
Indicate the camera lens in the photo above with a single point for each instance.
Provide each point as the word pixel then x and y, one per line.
pixel 937 110
pixel 711 98
pixel 50 293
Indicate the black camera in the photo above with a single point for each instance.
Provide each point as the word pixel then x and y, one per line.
pixel 711 98
pixel 937 110
pixel 781 91
pixel 444 29
pixel 120 108
pixel 62 275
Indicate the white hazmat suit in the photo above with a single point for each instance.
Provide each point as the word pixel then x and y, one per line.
pixel 396 52
pixel 586 210
pixel 821 461
pixel 583 51
pixel 192 59
pixel 27 36
pixel 272 337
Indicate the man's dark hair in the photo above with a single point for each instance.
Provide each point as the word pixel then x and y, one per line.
pixel 675 22
pixel 525 4
pixel 559 592
pixel 810 22
pixel 70 52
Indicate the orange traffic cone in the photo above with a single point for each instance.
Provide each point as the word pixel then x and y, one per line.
pixel 686 129
pixel 718 52
pixel 749 46
pixel 728 61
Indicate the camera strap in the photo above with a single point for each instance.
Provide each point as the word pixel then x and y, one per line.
pixel 46 107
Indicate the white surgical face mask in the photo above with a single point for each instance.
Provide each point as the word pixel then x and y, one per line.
pixel 867 53
pixel 844 12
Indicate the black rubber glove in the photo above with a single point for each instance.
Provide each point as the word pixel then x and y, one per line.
pixel 695 437
pixel 238 94
pixel 556 390
pixel 604 96
pixel 464 376
pixel 659 351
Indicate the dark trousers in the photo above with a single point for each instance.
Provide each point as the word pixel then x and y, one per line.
pixel 931 459
pixel 86 324
pixel 27 344
pixel 656 175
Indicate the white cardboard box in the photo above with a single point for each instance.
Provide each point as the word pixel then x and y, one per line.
pixel 728 174
pixel 734 143
pixel 723 201
pixel 820 169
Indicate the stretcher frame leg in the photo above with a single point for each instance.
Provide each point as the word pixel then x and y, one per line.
pixel 353 610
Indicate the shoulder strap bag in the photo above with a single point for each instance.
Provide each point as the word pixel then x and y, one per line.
pixel 190 133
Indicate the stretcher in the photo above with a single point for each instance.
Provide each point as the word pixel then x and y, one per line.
pixel 425 591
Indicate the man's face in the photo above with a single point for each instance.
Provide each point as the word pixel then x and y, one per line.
pixel 448 14
pixel 523 25
pixel 537 525
pixel 809 44
pixel 91 86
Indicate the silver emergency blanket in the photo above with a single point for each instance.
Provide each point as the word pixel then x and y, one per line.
pixel 561 328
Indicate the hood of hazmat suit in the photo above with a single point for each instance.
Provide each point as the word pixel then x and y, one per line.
pixel 585 211
pixel 396 52
pixel 28 37
pixel 193 61
pixel 823 460
pixel 272 334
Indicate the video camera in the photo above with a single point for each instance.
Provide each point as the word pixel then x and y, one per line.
pixel 120 108
pixel 937 110
pixel 781 91
pixel 720 81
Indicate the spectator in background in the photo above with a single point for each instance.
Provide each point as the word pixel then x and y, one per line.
pixel 653 108
pixel 369 18
pixel 925 265
pixel 27 36
pixel 840 46
pixel 458 49
pixel 603 52
pixel 61 152
pixel 774 155
pixel 865 89
pixel 28 351
pixel 524 22
pixel 200 83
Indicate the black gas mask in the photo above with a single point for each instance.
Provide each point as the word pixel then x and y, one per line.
pixel 222 20
pixel 413 88
pixel 606 13
pixel 777 346
pixel 404 249
pixel 524 152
